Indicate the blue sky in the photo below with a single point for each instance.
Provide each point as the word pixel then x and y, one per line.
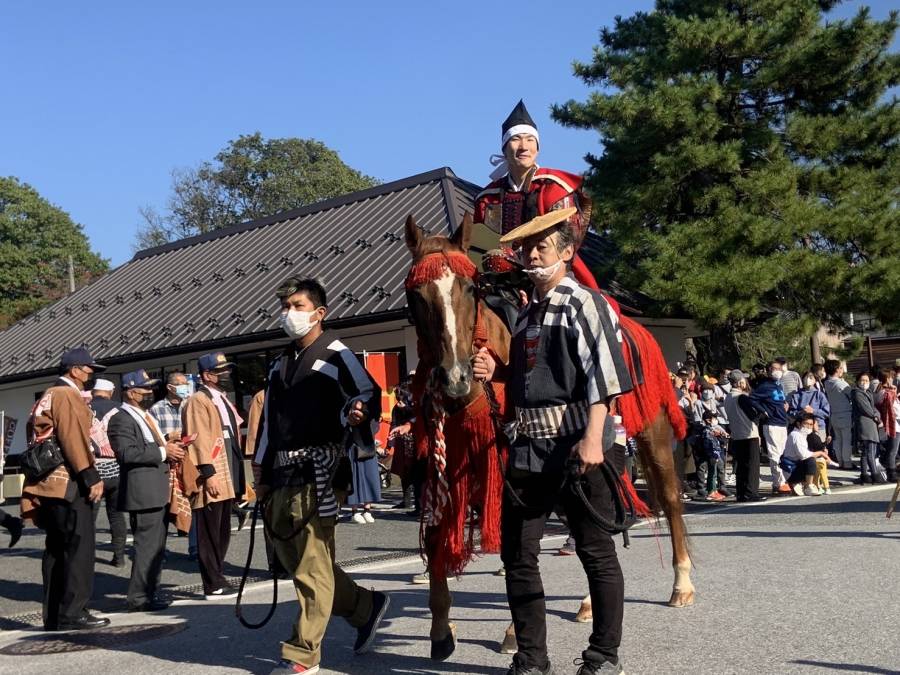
pixel 102 100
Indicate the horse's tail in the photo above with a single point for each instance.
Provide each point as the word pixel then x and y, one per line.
pixel 652 386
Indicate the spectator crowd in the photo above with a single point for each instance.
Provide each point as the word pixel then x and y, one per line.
pixel 799 424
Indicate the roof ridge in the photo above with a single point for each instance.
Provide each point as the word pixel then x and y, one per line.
pixel 324 205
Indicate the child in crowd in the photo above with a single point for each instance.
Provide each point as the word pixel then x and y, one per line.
pixel 713 439
pixel 816 444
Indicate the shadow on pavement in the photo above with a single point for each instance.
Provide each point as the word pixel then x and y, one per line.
pixel 852 667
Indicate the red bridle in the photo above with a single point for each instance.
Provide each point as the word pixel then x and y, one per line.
pixel 431 267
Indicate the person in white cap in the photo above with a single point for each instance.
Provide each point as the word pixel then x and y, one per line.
pixel 108 467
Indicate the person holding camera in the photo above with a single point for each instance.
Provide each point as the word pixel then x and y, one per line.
pixel 60 501
pixel 566 366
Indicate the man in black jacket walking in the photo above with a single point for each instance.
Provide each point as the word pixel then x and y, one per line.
pixel 144 486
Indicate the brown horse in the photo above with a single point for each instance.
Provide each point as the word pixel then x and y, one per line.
pixel 451 322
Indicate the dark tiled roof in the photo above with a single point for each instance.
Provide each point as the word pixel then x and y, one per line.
pixel 216 289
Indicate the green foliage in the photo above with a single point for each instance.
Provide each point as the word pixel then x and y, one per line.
pixel 36 240
pixel 750 161
pixel 777 337
pixel 251 178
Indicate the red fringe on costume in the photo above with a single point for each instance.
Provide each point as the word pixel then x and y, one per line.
pixel 476 481
pixel 640 406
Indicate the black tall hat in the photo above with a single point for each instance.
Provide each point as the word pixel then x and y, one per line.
pixel 519 121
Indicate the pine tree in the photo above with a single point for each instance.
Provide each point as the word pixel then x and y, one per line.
pixel 750 161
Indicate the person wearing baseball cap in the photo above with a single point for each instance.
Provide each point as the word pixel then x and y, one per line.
pixel 108 466
pixel 216 451
pixel 561 398
pixel 144 455
pixel 61 502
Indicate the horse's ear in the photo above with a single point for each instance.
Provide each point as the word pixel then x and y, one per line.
pixel 413 236
pixel 463 235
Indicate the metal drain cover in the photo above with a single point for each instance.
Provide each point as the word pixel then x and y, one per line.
pixel 109 637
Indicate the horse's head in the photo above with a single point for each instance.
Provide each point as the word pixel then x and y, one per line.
pixel 440 290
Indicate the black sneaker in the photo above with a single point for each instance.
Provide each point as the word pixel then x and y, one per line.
pixel 365 634
pixel 598 667
pixel 516 668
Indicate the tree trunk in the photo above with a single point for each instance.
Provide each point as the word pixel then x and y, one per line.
pixel 815 352
pixel 718 350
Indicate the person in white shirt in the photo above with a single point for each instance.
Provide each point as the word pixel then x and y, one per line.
pixel 799 461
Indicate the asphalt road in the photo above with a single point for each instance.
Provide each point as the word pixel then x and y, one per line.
pixel 793 585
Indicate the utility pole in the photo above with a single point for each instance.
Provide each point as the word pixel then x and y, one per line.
pixel 71 275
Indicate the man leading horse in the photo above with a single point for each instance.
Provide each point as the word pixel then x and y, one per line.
pixel 566 365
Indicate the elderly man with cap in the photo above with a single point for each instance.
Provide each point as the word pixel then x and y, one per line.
pixel 61 502
pixel 108 466
pixel 144 454
pixel 566 366
pixel 216 451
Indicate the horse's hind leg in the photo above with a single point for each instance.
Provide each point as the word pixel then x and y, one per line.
pixel 659 463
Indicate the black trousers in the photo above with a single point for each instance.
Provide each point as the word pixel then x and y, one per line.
pixel 118 529
pixel 149 530
pixel 213 537
pixel 746 467
pixel 68 563
pixel 521 532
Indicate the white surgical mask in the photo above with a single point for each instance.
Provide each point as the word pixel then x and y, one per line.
pixel 543 273
pixel 296 323
pixel 806 431
pixel 776 375
pixel 708 394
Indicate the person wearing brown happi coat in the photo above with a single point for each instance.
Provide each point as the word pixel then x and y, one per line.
pixel 61 503
pixel 216 453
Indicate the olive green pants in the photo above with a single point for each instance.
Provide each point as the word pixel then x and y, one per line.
pixel 322 587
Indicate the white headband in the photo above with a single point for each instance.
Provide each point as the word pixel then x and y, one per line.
pixel 519 129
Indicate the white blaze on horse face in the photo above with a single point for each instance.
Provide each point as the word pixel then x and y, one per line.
pixel 445 289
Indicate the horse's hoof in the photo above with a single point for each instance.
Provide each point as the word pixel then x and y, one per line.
pixel 681 598
pixel 443 648
pixel 585 613
pixel 509 644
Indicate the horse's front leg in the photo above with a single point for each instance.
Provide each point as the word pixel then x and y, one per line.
pixel 443 633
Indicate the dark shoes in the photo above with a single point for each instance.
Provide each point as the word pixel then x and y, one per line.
pixel 118 560
pixel 752 500
pixel 365 634
pixel 152 605
pixel 84 622
pixel 14 526
pixel 516 668
pixel 601 668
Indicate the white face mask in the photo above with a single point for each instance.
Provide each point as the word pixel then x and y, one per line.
pixel 809 382
pixel 708 395
pixel 543 273
pixel 776 375
pixel 296 323
pixel 806 431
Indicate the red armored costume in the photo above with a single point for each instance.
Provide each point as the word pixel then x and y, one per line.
pixel 503 206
